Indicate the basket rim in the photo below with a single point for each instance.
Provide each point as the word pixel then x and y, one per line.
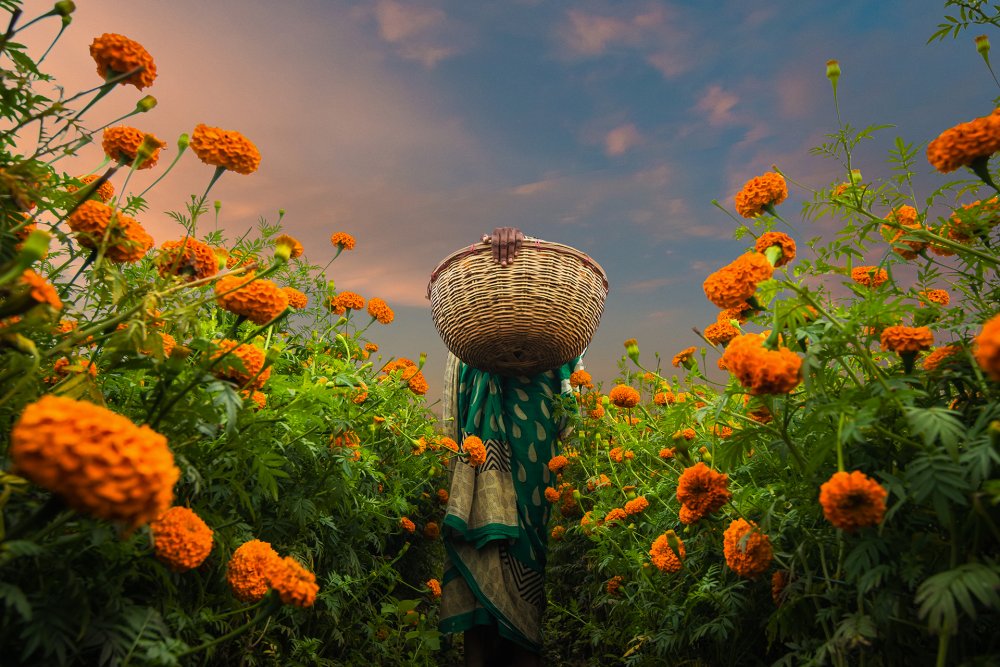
pixel 529 243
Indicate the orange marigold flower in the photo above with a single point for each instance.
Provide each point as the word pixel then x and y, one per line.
pixel 442 495
pixel 720 333
pixel 247 570
pixel 188 258
pixel 759 192
pixel 242 364
pixel 663 398
pixel 410 372
pixel 624 396
pixel 378 309
pixel 98 461
pixel 291 242
pixel 986 348
pixel 342 240
pixel 581 378
pixel 761 370
pixel 296 299
pixel 614 583
pixel 907 217
pixel 552 495
pixel 558 463
pixel 701 491
pixel 779 581
pixel 94 221
pixel 407 525
pixel 260 301
pixel 181 539
pixel 780 239
pixel 615 515
pixel 664 557
pixel 349 301
pixel 596 412
pixel 227 149
pixel 448 443
pixel 738 313
pixel 668 452
pixel 238 258
pixel 616 454
pixel 41 290
pixel 258 398
pixel 721 431
pixel 116 55
pixel 104 192
pixel 432 531
pixel 934 360
pixel 598 482
pixel 121 144
pixel 63 367
pixel 636 505
pixel 683 356
pixel 295 584
pixel 907 340
pixel 435 587
pixel 869 276
pixel 748 551
pixel 732 285
pixel 965 143
pixel 687 434
pixel 851 500
pixel 938 296
pixel 474 447
pixel 558 532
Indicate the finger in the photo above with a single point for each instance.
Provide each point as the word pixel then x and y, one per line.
pixel 505 246
pixel 518 239
pixel 495 247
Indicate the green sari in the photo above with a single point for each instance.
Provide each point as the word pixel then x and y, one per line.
pixel 495 527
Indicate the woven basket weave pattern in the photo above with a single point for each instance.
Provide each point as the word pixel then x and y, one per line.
pixel 533 315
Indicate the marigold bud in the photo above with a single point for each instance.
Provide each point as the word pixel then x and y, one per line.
pixel 65 7
pixel 673 541
pixel 833 70
pixel 855 176
pixel 632 350
pixel 145 104
pixel 146 148
pixel 983 46
pixel 283 251
pixel 182 142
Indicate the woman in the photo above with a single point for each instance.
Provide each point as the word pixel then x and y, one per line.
pixel 493 588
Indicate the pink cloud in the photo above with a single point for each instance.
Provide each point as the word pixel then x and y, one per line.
pixel 718 104
pixel 643 286
pixel 416 32
pixel 619 140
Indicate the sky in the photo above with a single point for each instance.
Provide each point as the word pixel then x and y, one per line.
pixel 608 126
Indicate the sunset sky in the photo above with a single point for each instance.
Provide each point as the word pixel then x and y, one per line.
pixel 609 126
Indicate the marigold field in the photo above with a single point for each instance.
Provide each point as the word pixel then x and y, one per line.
pixel 207 458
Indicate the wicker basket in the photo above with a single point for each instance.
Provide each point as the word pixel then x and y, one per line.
pixel 533 315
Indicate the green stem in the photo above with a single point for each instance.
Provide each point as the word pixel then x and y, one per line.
pixel 273 603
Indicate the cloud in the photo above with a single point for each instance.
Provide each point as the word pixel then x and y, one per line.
pixel 650 285
pixel 418 33
pixel 619 140
pixel 718 104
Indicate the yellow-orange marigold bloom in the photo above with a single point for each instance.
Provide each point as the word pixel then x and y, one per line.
pixel 558 463
pixel 615 515
pixel 349 301
pixel 406 524
pixel 614 583
pixel 98 461
pixel 668 452
pixel 907 340
pixel 767 189
pixel 258 398
pixel 965 143
pixel 780 239
pixel 260 301
pixel 738 313
pixel 732 285
pixel 116 55
pixel 616 454
pixel 596 412
pixel 663 398
pixel 748 552
pixel 295 584
pixel 410 372
pixel 701 491
pixel 683 356
pixel 435 587
pixel 869 276
pixel 636 505
pixel 761 370
pixel 624 396
pixel 938 296
pixel 906 216
pixel 721 332
pixel 581 378
pixel 291 242
pixel 442 496
pixel 296 298
pixel 342 240
pixel 474 447
pixel 188 258
pixel 986 348
pixel 121 144
pixel 93 221
pixel 248 568
pixel 62 368
pixel 242 364
pixel 227 149
pixel 41 290
pixel 934 360
pixel 687 434
pixel 852 500
pixel 551 495
pixel 558 532
pixel 378 309
pixel 663 557
pixel 104 192
pixel 181 539
pixel 431 530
